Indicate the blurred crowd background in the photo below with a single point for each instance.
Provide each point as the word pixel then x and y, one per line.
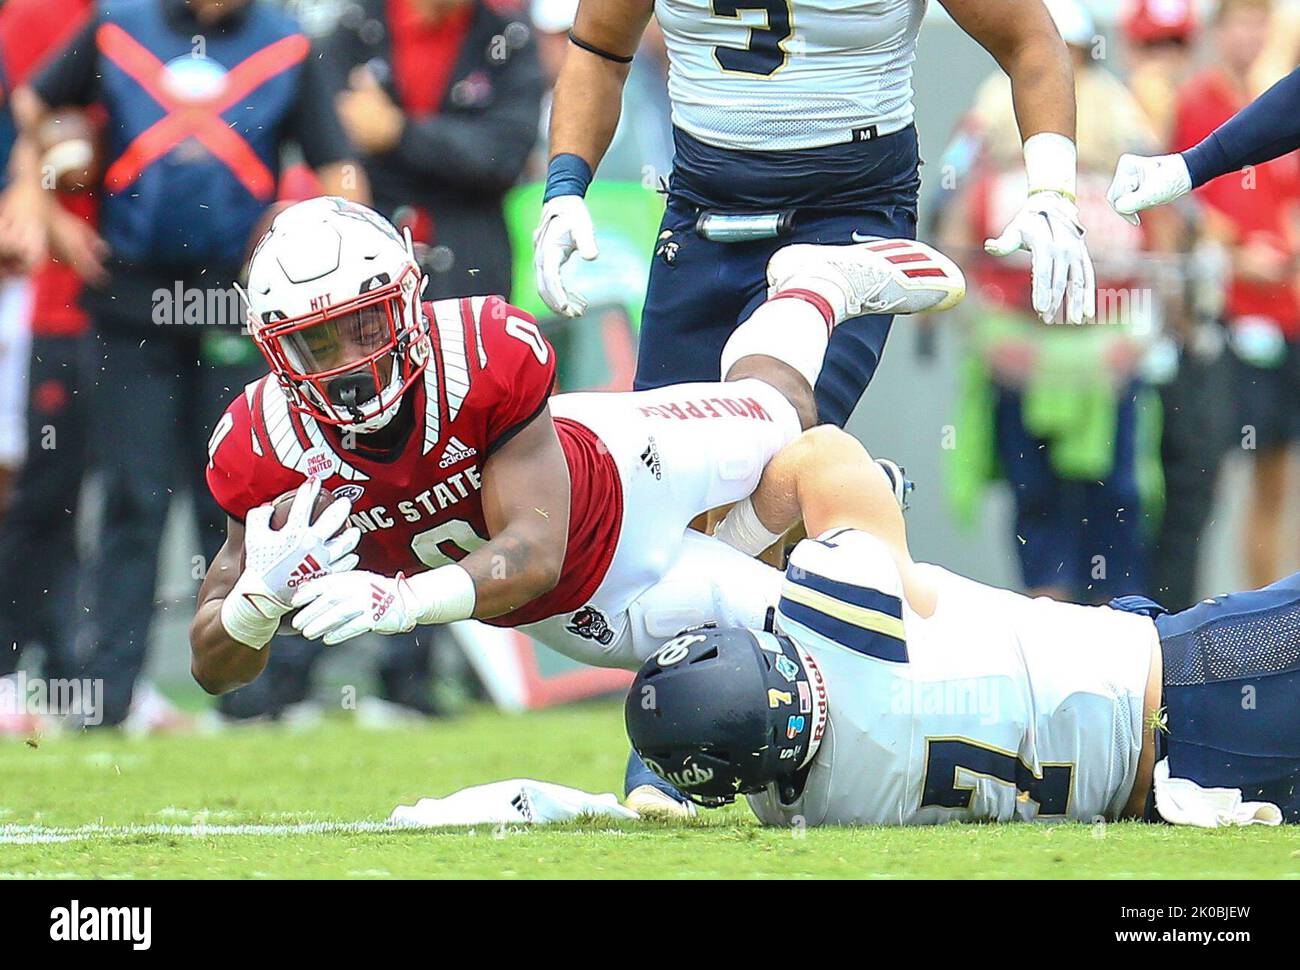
pixel 1150 452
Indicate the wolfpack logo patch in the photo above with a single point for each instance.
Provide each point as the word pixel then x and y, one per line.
pixel 591 624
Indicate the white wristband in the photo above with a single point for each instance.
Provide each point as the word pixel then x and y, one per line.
pixel 244 622
pixel 741 529
pixel 1051 163
pixel 443 595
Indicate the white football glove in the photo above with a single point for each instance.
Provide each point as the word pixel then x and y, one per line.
pixel 346 605
pixel 565 227
pixel 1047 227
pixel 341 607
pixel 1142 182
pixel 279 561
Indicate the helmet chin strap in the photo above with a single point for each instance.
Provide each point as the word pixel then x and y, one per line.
pixel 360 424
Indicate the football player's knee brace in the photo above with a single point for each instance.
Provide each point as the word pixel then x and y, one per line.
pixel 791 330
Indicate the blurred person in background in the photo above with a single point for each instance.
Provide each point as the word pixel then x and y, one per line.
pixel 642 147
pixel 441 97
pixel 1159 36
pixel 1193 372
pixel 201 97
pixel 37 536
pixel 1254 215
pixel 1058 410
pixel 1281 51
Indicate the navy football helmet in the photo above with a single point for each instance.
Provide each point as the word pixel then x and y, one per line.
pixel 720 713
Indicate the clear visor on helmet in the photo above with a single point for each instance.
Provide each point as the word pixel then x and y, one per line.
pixel 340 343
pixel 340 359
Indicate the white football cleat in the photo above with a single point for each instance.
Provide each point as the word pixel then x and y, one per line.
pixel 649 802
pixel 879 276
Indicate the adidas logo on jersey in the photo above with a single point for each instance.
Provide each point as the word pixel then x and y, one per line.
pixel 305 571
pixel 455 451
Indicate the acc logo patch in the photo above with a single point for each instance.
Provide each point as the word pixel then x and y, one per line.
pixel 591 624
pixel 350 492
pixel 795 725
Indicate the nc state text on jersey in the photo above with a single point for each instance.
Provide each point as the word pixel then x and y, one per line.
pixel 427 504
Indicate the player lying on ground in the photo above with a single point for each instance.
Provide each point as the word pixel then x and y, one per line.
pixel 470 491
pixel 896 693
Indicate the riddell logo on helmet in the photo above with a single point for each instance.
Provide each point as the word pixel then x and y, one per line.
pixel 819 686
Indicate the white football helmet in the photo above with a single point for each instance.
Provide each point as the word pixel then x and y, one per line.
pixel 334 305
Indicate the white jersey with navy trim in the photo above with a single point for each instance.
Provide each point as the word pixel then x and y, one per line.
pixel 996 707
pixel 771 75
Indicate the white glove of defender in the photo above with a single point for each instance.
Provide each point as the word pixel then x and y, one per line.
pixel 1142 182
pixel 279 561
pixel 565 227
pixel 1048 228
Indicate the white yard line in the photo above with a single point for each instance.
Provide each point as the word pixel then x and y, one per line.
pixel 39 834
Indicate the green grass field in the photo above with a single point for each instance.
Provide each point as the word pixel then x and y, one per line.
pixel 54 794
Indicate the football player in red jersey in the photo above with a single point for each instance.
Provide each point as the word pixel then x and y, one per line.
pixel 469 490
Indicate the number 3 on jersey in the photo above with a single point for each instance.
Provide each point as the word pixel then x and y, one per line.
pixel 763 55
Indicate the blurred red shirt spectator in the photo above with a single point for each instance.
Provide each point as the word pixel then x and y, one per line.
pixel 29 31
pixel 1255 205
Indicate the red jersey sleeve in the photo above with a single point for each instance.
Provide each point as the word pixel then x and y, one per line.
pixel 519 364
pixel 240 478
pixel 230 461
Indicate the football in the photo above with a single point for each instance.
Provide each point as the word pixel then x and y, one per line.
pixel 282 505
pixel 280 511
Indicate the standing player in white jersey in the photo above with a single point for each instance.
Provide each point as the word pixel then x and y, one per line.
pixel 891 692
pixel 793 123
